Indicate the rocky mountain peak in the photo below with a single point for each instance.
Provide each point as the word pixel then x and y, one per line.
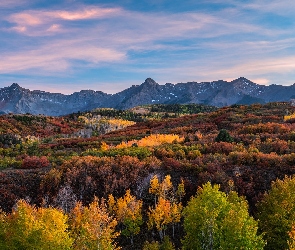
pixel 15 86
pixel 150 82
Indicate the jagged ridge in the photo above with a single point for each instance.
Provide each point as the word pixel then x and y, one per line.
pixel 15 99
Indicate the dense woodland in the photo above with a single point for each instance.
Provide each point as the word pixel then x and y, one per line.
pixel 155 177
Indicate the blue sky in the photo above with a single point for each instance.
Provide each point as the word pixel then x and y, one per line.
pixel 66 46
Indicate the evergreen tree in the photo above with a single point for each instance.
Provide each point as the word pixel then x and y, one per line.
pixel 224 136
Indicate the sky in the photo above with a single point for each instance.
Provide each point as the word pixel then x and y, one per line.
pixel 69 45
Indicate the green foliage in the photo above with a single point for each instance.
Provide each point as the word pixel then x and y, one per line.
pixel 213 220
pixel 166 244
pixel 276 213
pixel 139 152
pixel 182 108
pixel 9 162
pixel 155 245
pixel 224 136
pixel 151 245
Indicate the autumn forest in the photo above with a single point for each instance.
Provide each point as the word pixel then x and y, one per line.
pixel 154 177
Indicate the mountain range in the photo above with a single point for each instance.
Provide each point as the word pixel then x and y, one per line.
pixel 15 99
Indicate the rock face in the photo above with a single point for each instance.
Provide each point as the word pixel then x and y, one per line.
pixel 15 99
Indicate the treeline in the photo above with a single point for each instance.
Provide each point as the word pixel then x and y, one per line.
pixel 180 109
pixel 212 219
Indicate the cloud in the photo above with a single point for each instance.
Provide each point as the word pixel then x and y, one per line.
pixel 54 28
pixel 87 13
pixel 38 17
pixel 26 19
pixel 224 43
pixel 58 57
pixel 50 22
pixel 262 81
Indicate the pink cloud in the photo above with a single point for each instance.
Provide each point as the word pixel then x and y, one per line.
pixel 54 28
pixel 87 13
pixel 26 19
pixel 38 17
pixel 262 81
pixel 20 29
pixel 57 57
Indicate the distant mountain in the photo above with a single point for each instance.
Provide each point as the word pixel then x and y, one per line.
pixel 15 99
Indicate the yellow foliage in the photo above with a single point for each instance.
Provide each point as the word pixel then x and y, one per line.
pixel 180 190
pixel 161 189
pixel 160 215
pixel 166 210
pixel 122 145
pixel 112 204
pixel 164 214
pixel 175 212
pixel 104 146
pixel 120 123
pixel 28 227
pixel 291 242
pixel 128 211
pixel 93 227
pixel 152 140
pixel 289 117
pixel 154 186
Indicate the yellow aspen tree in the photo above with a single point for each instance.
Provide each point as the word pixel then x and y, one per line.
pixel 30 228
pixel 167 210
pixel 129 213
pixel 23 226
pixel 93 227
pixel 166 188
pixel 54 233
pixel 291 241
pixel 160 216
pixel 154 187
pixel 180 190
pixel 162 189
pixel 175 213
pixel 111 205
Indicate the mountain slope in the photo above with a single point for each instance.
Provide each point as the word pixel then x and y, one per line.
pixel 15 99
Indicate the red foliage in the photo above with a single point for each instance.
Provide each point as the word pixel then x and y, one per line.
pixel 31 162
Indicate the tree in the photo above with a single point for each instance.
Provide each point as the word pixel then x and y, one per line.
pixel 30 228
pixel 167 211
pixel 93 227
pixel 155 245
pixel 224 136
pixel 160 217
pixel 66 199
pixel 161 189
pixel 291 241
pixel 128 211
pixel 213 220
pixel 276 213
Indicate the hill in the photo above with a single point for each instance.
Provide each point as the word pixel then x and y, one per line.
pixel 240 147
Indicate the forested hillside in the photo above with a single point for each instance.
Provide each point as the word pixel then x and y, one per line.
pixel 155 177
